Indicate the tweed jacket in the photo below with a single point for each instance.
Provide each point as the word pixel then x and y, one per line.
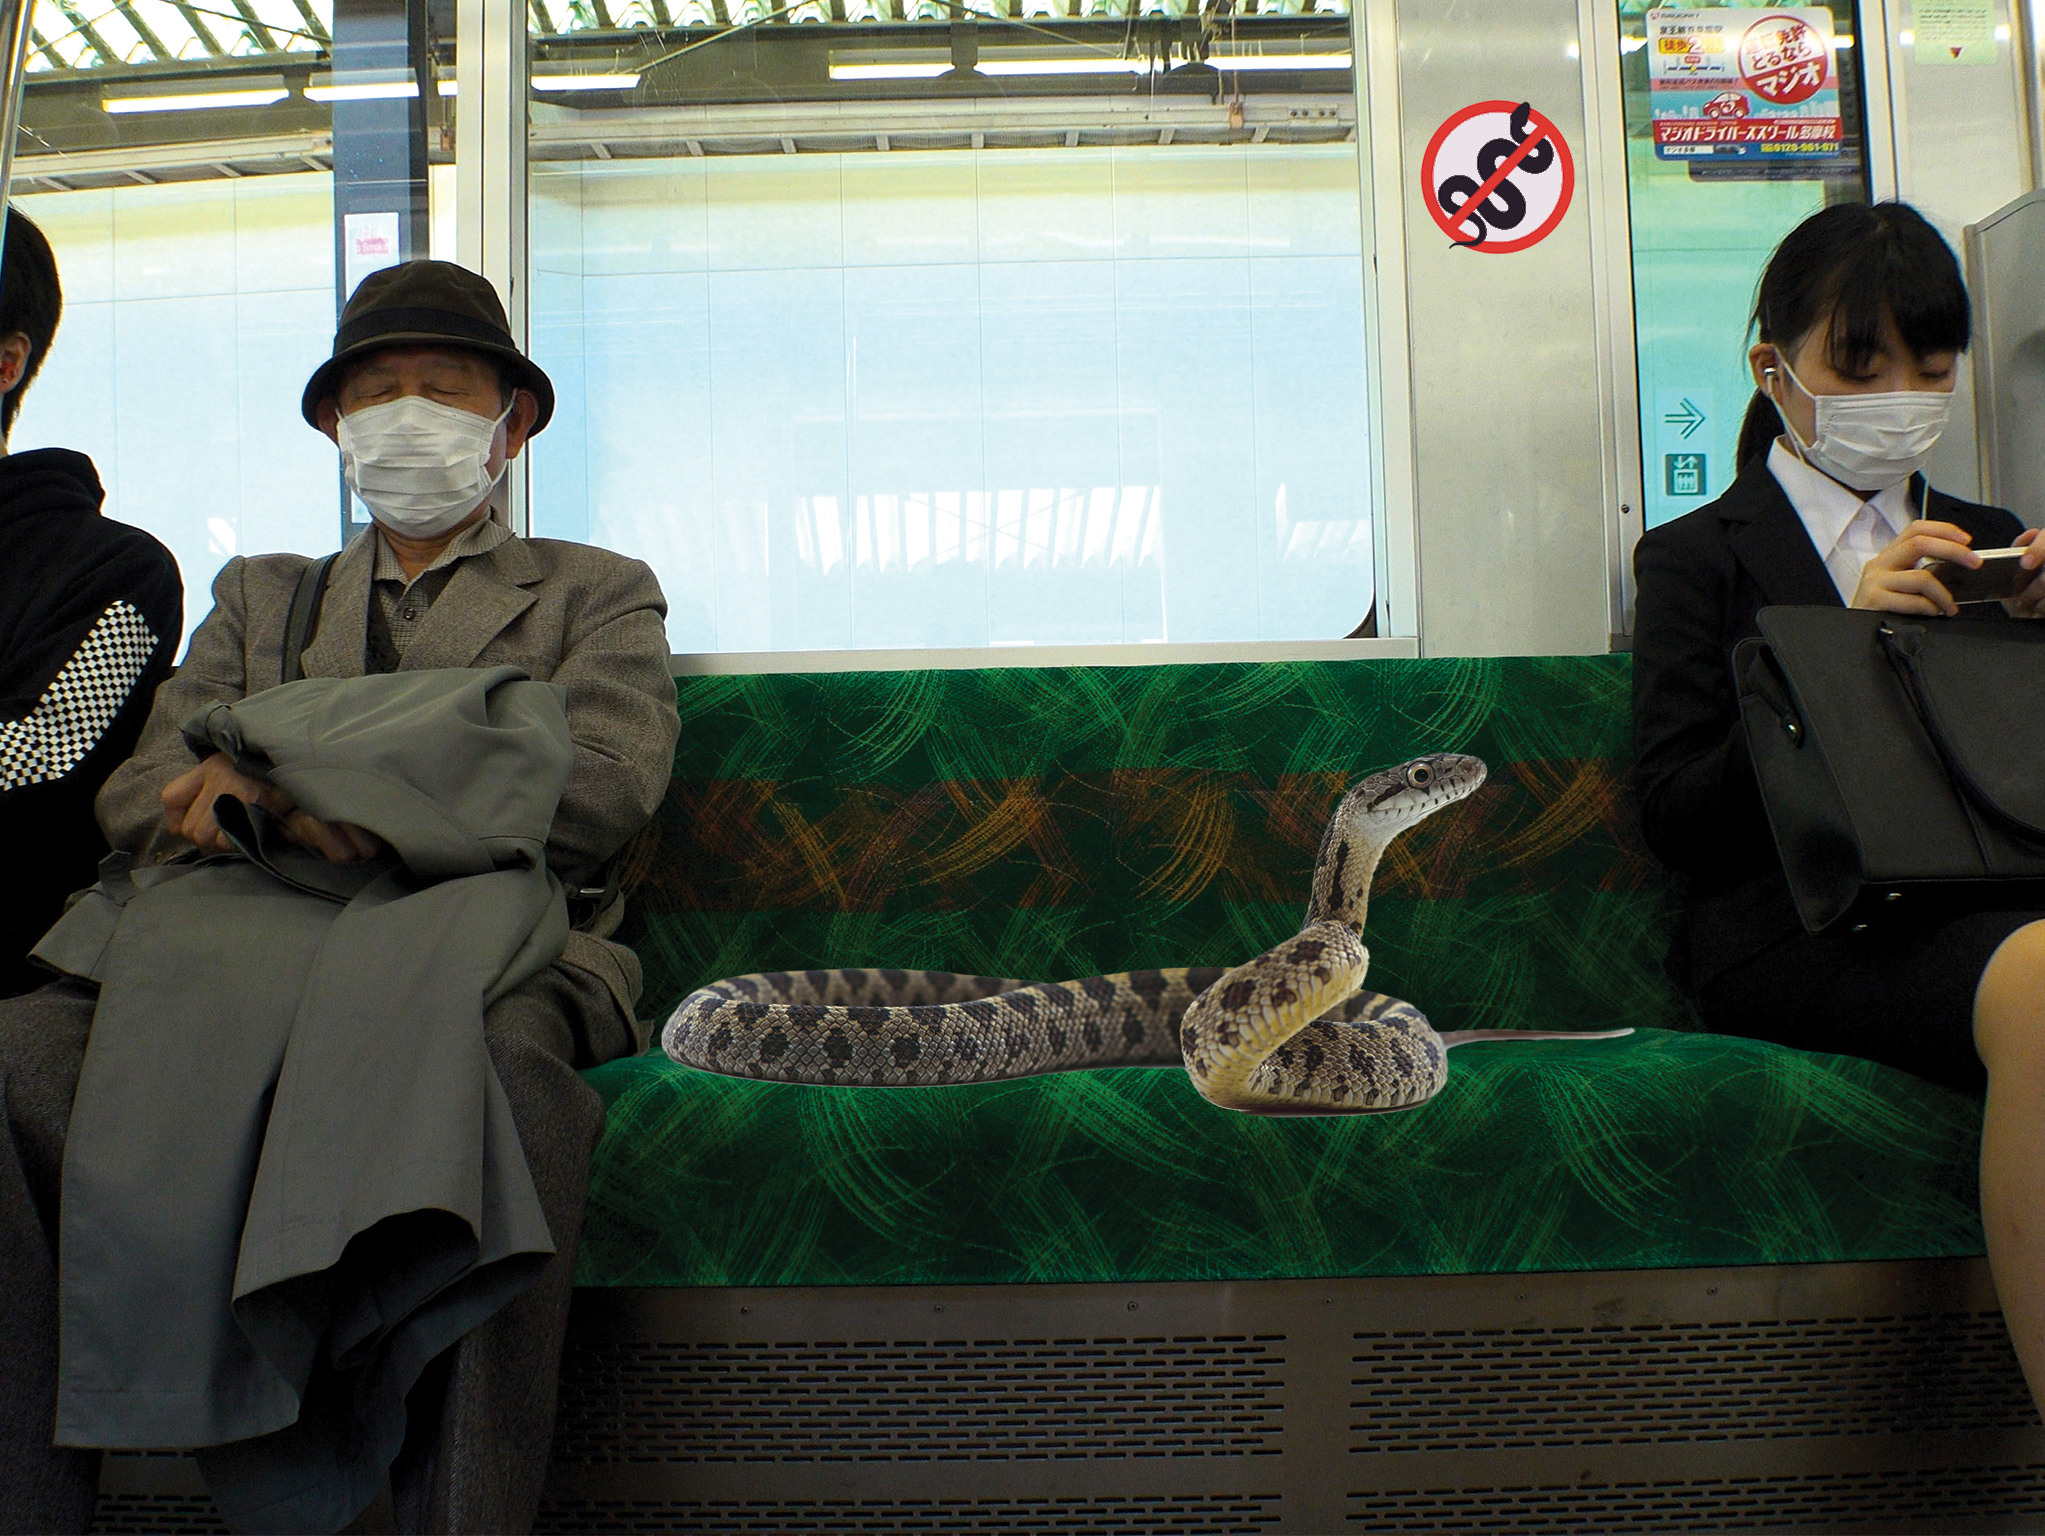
pixel 586 618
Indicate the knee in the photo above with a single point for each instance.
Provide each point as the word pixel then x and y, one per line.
pixel 2009 1005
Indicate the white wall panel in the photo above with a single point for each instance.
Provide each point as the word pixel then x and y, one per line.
pixel 1188 430
pixel 910 209
pixel 276 223
pixel 1305 204
pixel 173 241
pixel 772 212
pixel 287 474
pixel 70 405
pixel 172 444
pixel 1312 446
pixel 655 220
pixel 1046 205
pixel 1192 203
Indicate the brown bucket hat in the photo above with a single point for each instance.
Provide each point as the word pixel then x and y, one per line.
pixel 424 303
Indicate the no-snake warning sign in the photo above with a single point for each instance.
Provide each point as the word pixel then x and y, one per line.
pixel 1498 177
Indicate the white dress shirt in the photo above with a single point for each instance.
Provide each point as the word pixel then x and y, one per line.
pixel 1846 528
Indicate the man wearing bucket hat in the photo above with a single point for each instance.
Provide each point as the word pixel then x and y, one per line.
pixel 427 398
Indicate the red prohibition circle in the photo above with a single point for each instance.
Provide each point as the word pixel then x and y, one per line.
pixel 1535 120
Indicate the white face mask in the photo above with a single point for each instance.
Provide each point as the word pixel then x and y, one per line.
pixel 1871 442
pixel 418 465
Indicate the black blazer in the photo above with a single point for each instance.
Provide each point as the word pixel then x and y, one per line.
pixel 1700 581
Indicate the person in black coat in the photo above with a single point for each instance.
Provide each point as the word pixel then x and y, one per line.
pixel 90 615
pixel 1861 317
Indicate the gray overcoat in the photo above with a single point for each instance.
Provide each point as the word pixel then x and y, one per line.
pixel 585 618
pixel 292 1176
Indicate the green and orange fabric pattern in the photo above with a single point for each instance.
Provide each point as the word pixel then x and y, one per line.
pixel 1064 822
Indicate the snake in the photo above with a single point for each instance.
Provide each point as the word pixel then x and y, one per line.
pixel 1290 1032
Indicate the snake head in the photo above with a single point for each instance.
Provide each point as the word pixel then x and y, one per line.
pixel 1373 813
pixel 1398 797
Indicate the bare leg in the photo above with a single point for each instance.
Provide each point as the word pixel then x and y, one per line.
pixel 2009 1033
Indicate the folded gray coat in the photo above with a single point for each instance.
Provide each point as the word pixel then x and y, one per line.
pixel 292 1177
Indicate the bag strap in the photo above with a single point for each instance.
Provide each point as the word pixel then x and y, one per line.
pixel 302 619
pixel 587 904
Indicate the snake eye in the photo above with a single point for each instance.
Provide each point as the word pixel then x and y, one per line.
pixel 1420 775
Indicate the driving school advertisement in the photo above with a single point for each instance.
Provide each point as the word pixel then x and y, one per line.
pixel 1736 85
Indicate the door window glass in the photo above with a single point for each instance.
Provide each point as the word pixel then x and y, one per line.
pixel 1741 122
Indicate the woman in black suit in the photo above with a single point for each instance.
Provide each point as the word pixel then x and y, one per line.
pixel 1860 319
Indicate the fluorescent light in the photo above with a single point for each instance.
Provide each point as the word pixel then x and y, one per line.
pixel 887 71
pixel 450 88
pixel 584 82
pixel 1099 64
pixel 368 90
pixel 1102 66
pixel 1281 60
pixel 196 101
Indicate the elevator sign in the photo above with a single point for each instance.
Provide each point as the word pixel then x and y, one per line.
pixel 1737 85
pixel 1498 177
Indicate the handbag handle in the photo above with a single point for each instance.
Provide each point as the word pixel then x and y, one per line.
pixel 1904 645
pixel 1754 661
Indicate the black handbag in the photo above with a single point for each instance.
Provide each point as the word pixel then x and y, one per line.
pixel 1898 757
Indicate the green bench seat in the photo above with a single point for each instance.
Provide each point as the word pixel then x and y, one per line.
pixel 1066 822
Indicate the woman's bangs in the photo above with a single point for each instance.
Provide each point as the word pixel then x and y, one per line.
pixel 1906 271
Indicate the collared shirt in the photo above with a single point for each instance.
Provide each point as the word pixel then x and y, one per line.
pixel 402 601
pixel 1846 528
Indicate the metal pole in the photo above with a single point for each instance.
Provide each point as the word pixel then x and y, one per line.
pixel 490 181
pixel 16 21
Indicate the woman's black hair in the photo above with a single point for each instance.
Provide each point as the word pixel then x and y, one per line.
pixel 1856 262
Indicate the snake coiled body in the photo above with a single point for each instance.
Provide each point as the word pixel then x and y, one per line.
pixel 1289 1032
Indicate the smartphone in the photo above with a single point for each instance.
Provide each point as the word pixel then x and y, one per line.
pixel 1998 576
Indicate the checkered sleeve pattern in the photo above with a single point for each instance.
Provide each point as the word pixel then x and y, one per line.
pixel 76 709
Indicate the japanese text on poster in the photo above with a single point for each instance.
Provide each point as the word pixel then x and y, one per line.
pixel 1733 85
pixel 1953 31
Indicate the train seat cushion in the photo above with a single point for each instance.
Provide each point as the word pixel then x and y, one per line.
pixel 1055 823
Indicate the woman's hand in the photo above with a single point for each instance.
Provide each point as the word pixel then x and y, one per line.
pixel 1894 583
pixel 2029 603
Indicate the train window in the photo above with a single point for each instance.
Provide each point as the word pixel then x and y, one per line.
pixel 1740 123
pixel 902 323
pixel 209 176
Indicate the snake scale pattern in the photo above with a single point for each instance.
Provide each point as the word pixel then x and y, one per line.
pixel 1289 1032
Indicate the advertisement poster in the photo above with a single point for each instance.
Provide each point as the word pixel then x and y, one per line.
pixel 371 244
pixel 1739 87
pixel 1953 31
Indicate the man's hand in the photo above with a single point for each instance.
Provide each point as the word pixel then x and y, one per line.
pixel 1893 582
pixel 188 811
